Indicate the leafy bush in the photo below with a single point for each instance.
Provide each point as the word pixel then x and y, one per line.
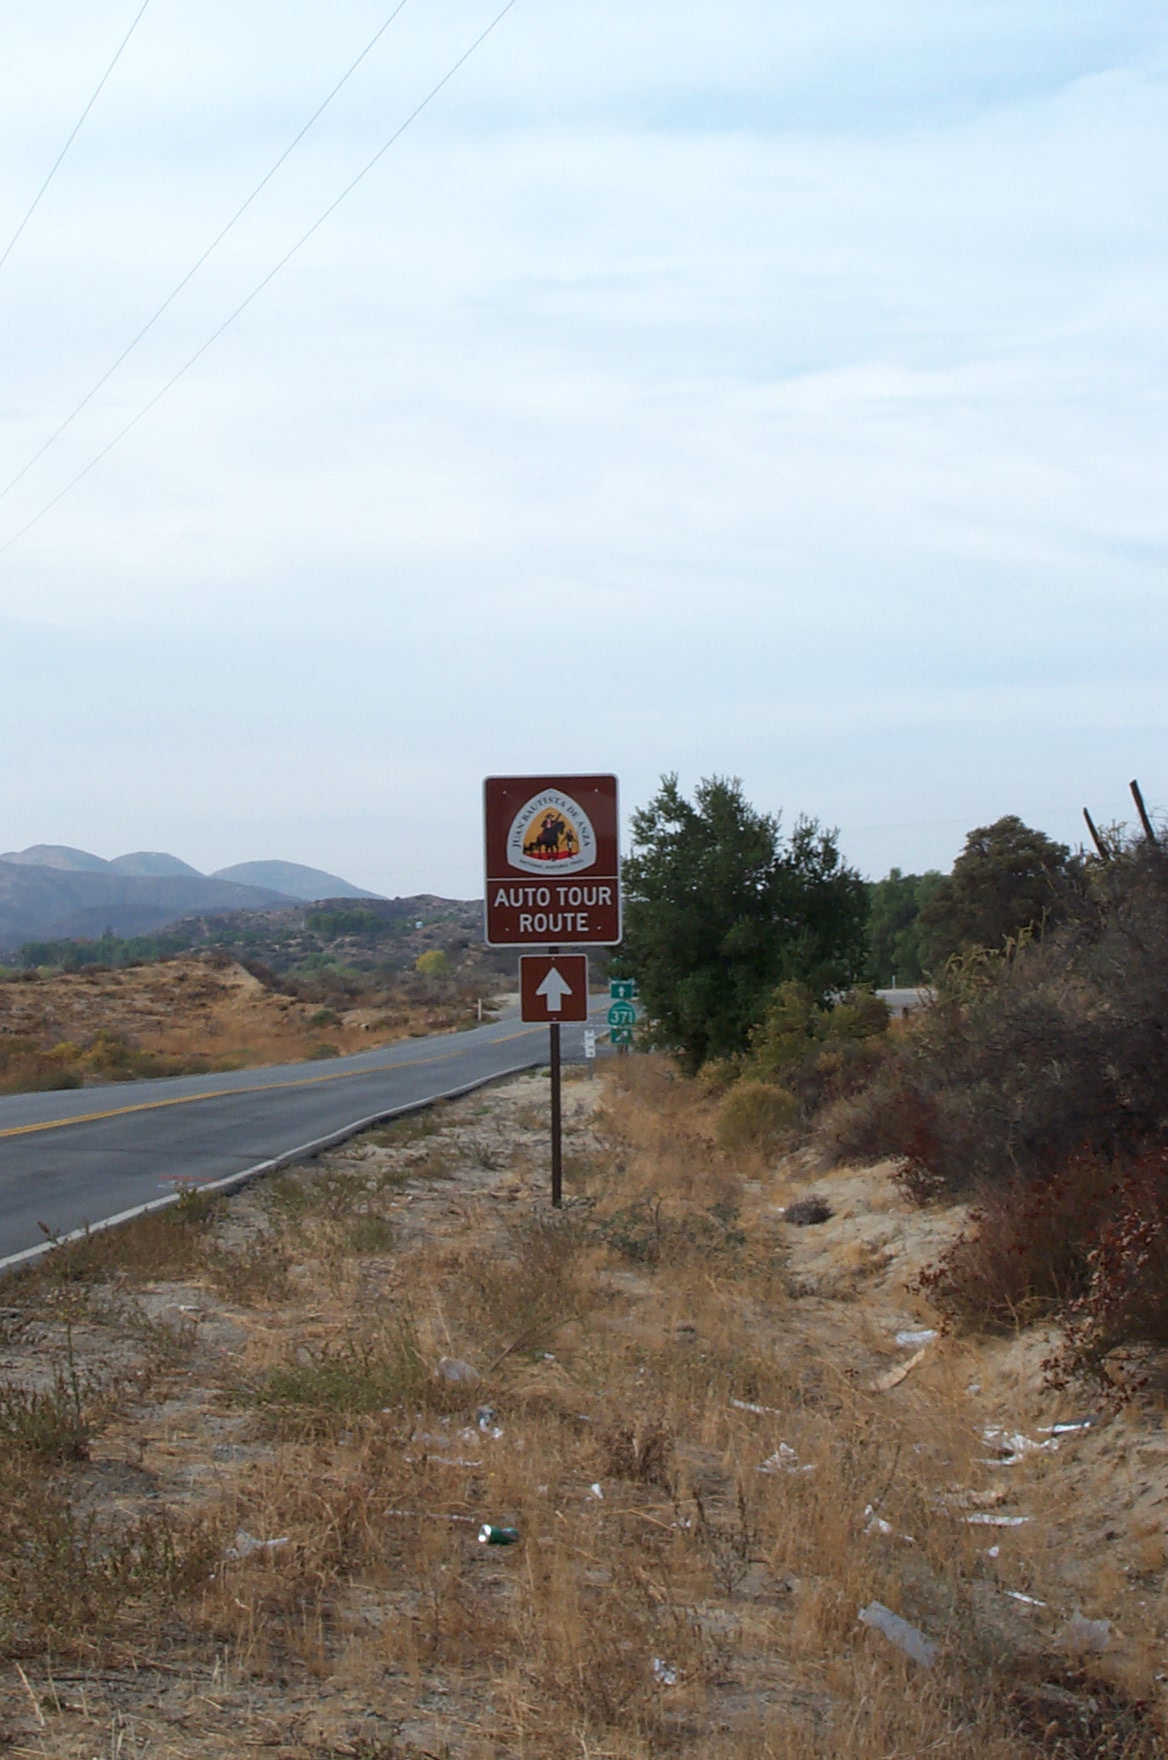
pixel 894 925
pixel 1008 878
pixel 755 1114
pixel 721 907
pixel 1052 1047
pixel 335 923
pixel 434 963
pixel 108 951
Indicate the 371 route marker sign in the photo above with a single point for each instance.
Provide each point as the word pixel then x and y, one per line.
pixel 553 861
pixel 553 987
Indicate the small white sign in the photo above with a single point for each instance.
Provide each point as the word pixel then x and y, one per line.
pixel 589 1042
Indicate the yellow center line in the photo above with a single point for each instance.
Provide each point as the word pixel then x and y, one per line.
pixel 341 1075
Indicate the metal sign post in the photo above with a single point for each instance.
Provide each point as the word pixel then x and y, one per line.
pixel 557 1116
pixel 552 876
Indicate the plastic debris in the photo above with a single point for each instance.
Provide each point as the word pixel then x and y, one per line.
pixel 981 1520
pixel 1081 1635
pixel 663 1674
pixel 924 1335
pixel 785 1460
pixel 993 1552
pixel 875 1524
pixel 246 1544
pixel 893 1377
pixel 744 1405
pixel 489 1535
pixel 597 1490
pixel 1027 1600
pixel 454 1369
pixel 1067 1428
pixel 1012 1445
pixel 485 1418
pixel 898 1631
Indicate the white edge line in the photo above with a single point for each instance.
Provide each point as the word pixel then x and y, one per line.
pixel 17 1261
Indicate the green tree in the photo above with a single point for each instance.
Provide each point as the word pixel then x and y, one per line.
pixel 721 908
pixel 1006 879
pixel 894 926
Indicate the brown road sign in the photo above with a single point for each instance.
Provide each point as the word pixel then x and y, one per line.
pixel 553 861
pixel 553 987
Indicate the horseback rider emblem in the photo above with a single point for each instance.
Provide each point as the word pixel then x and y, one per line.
pixel 551 833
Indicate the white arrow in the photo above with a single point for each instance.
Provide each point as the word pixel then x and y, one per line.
pixel 554 988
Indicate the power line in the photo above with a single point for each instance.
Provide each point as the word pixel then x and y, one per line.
pixel 198 264
pixel 76 131
pixel 260 286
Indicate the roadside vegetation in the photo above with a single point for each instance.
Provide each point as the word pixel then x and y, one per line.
pixel 69 1028
pixel 250 1446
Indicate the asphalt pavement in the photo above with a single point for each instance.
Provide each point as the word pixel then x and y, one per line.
pixel 73 1159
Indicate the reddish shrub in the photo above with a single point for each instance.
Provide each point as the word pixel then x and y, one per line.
pixel 1123 1310
pixel 1028 1249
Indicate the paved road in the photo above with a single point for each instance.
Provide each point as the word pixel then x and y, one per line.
pixel 79 1157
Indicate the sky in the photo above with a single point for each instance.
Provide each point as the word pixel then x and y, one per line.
pixel 726 387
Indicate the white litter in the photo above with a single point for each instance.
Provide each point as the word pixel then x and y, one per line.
pixel 1067 1429
pixel 993 1552
pixel 1081 1635
pixel 597 1490
pixel 454 1369
pixel 985 1521
pixel 898 1631
pixel 1027 1600
pixel 663 1674
pixel 784 1460
pixel 246 1544
pixel 910 1340
pixel 875 1524
pixel 744 1405
pixel 1012 1445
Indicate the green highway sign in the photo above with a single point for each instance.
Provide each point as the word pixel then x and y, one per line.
pixel 622 989
pixel 622 1014
pixel 620 1035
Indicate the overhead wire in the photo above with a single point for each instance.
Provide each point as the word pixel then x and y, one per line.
pixel 198 263
pixel 56 165
pixel 261 285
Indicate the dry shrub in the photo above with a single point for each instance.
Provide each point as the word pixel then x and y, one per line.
pixel 641 1453
pixel 68 1581
pixel 755 1115
pixel 518 1299
pixel 1033 1054
pixel 324 1389
pixel 1026 1250
pixel 1122 1313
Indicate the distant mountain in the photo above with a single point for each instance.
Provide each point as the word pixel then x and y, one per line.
pixel 57 855
pixel 39 902
pixel 293 879
pixel 153 862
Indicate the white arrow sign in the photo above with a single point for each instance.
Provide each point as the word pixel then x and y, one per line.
pixel 554 989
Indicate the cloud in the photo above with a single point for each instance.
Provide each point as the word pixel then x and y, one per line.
pixel 757 389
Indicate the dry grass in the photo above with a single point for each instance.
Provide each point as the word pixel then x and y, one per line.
pixel 186 1015
pixel 241 1491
